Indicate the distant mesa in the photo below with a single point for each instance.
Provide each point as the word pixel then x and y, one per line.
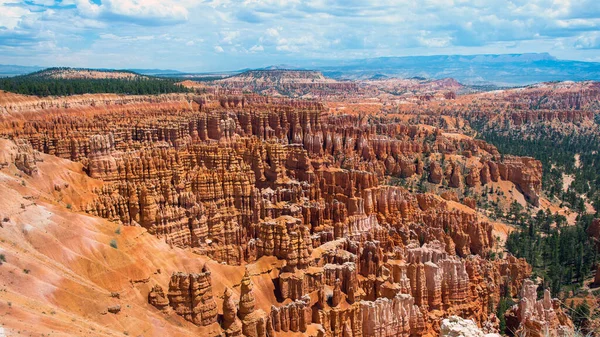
pixel 9 70
pixel 307 84
pixel 279 75
pixel 156 72
pixel 486 69
pixel 379 77
pixel 502 69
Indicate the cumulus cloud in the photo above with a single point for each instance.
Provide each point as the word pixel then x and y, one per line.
pixel 273 32
pixel 590 40
pixel 11 15
pixel 110 36
pixel 246 33
pixel 145 12
pixel 228 37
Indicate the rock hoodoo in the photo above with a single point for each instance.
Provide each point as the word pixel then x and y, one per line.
pixel 327 213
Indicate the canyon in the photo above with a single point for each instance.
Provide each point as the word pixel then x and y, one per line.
pixel 238 210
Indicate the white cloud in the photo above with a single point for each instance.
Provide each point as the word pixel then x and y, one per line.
pixel 44 2
pixel 144 11
pixel 589 40
pixel 228 37
pixel 110 36
pixel 434 42
pixel 10 16
pixel 88 8
pixel 307 43
pixel 275 31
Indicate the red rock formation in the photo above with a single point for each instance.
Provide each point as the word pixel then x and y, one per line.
pixel 157 298
pixel 101 163
pixel 538 318
pixel 26 158
pixel 526 173
pixel 252 178
pixel 247 297
pixel 293 83
pixel 594 232
pixel 385 317
pixel 294 316
pixel 190 295
pixel 254 321
pixel 222 183
pixel 231 324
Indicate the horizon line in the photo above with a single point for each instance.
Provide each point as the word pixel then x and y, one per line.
pixel 247 68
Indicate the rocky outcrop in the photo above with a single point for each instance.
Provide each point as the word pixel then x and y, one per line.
pixel 455 326
pixel 295 285
pixel 114 309
pixel 409 292
pixel 247 301
pixel 526 173
pixel 157 298
pixel 294 83
pixel 294 316
pixel 101 163
pixel 243 179
pixel 385 317
pixel 255 322
pixel 190 296
pixel 274 177
pixel 231 324
pixel 594 232
pixel 25 158
pixel 533 317
pixel 435 173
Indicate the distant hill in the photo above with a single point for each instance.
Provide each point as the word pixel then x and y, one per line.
pixel 74 81
pixel 504 69
pixel 8 70
pixel 278 75
pixel 82 73
pixel 287 82
pixel 482 70
pixel 156 72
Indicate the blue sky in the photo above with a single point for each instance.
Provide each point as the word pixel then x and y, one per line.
pixel 229 34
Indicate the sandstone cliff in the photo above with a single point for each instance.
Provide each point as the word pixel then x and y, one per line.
pixel 241 181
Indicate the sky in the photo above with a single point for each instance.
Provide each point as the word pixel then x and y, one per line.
pixel 215 35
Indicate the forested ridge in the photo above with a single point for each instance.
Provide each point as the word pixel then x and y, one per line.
pixel 41 84
pixel 562 255
pixel 558 152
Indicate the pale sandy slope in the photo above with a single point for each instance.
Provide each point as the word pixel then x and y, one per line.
pixel 60 268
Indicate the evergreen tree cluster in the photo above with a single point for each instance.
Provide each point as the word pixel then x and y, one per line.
pixel 561 255
pixel 45 86
pixel 556 150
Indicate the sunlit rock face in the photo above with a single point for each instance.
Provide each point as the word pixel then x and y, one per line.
pixel 300 213
pixel 543 317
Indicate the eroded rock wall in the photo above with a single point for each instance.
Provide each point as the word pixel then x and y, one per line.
pixel 250 179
